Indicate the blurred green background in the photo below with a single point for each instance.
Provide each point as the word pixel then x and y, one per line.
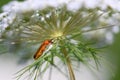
pixel 113 50
pixel 2 2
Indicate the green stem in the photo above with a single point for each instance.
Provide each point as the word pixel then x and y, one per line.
pixel 68 62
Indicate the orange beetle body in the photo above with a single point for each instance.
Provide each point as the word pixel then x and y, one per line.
pixel 42 48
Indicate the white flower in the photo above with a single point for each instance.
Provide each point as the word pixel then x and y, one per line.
pixel 14 8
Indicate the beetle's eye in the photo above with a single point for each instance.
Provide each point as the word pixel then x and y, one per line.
pixel 52 40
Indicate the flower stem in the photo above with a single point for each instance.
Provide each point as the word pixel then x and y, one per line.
pixel 68 62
